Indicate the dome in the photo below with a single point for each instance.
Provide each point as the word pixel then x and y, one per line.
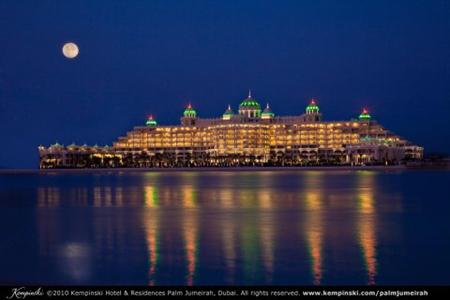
pixel 151 121
pixel 228 113
pixel 250 107
pixel 312 107
pixel 365 115
pixel 249 103
pixel 56 145
pixel 267 113
pixel 190 112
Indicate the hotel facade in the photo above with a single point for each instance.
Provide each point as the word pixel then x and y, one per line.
pixel 251 137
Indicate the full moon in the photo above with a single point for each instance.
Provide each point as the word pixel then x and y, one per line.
pixel 70 50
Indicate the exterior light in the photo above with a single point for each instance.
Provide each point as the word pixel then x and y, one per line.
pixel 151 121
pixel 365 115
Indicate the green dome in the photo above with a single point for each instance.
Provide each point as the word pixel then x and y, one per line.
pixel 249 102
pixel 267 113
pixel 151 121
pixel 228 113
pixel 365 115
pixel 250 107
pixel 190 112
pixel 312 107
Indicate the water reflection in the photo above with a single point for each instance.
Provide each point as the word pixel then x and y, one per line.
pixel 48 196
pixel 75 261
pixel 200 228
pixel 190 235
pixel 152 233
pixel 229 230
pixel 314 224
pixel 190 227
pixel 366 224
pixel 266 226
pixel 151 196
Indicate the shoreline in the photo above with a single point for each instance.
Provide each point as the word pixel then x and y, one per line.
pixel 223 169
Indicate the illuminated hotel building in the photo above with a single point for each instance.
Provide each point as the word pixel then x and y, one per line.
pixel 251 137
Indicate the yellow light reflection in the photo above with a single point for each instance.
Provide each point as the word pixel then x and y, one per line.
pixel 97 197
pixel 190 229
pixel 119 196
pixel 265 199
pixel 188 190
pixel 189 197
pixel 108 196
pixel 191 244
pixel 226 198
pixel 228 236
pixel 266 225
pixel 366 224
pixel 151 196
pixel 314 226
pixel 151 224
pixel 48 197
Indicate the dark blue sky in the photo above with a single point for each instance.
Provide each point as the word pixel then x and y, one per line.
pixel 141 57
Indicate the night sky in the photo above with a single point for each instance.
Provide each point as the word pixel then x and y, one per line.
pixel 153 57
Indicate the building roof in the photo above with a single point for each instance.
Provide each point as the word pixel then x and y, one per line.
pixel 228 111
pixel 267 112
pixel 249 102
pixel 312 107
pixel 190 111
pixel 365 115
pixel 151 121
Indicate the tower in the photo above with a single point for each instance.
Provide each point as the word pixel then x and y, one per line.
pixel 151 122
pixel 267 113
pixel 189 116
pixel 249 107
pixel 312 112
pixel 365 119
pixel 365 116
pixel 228 114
